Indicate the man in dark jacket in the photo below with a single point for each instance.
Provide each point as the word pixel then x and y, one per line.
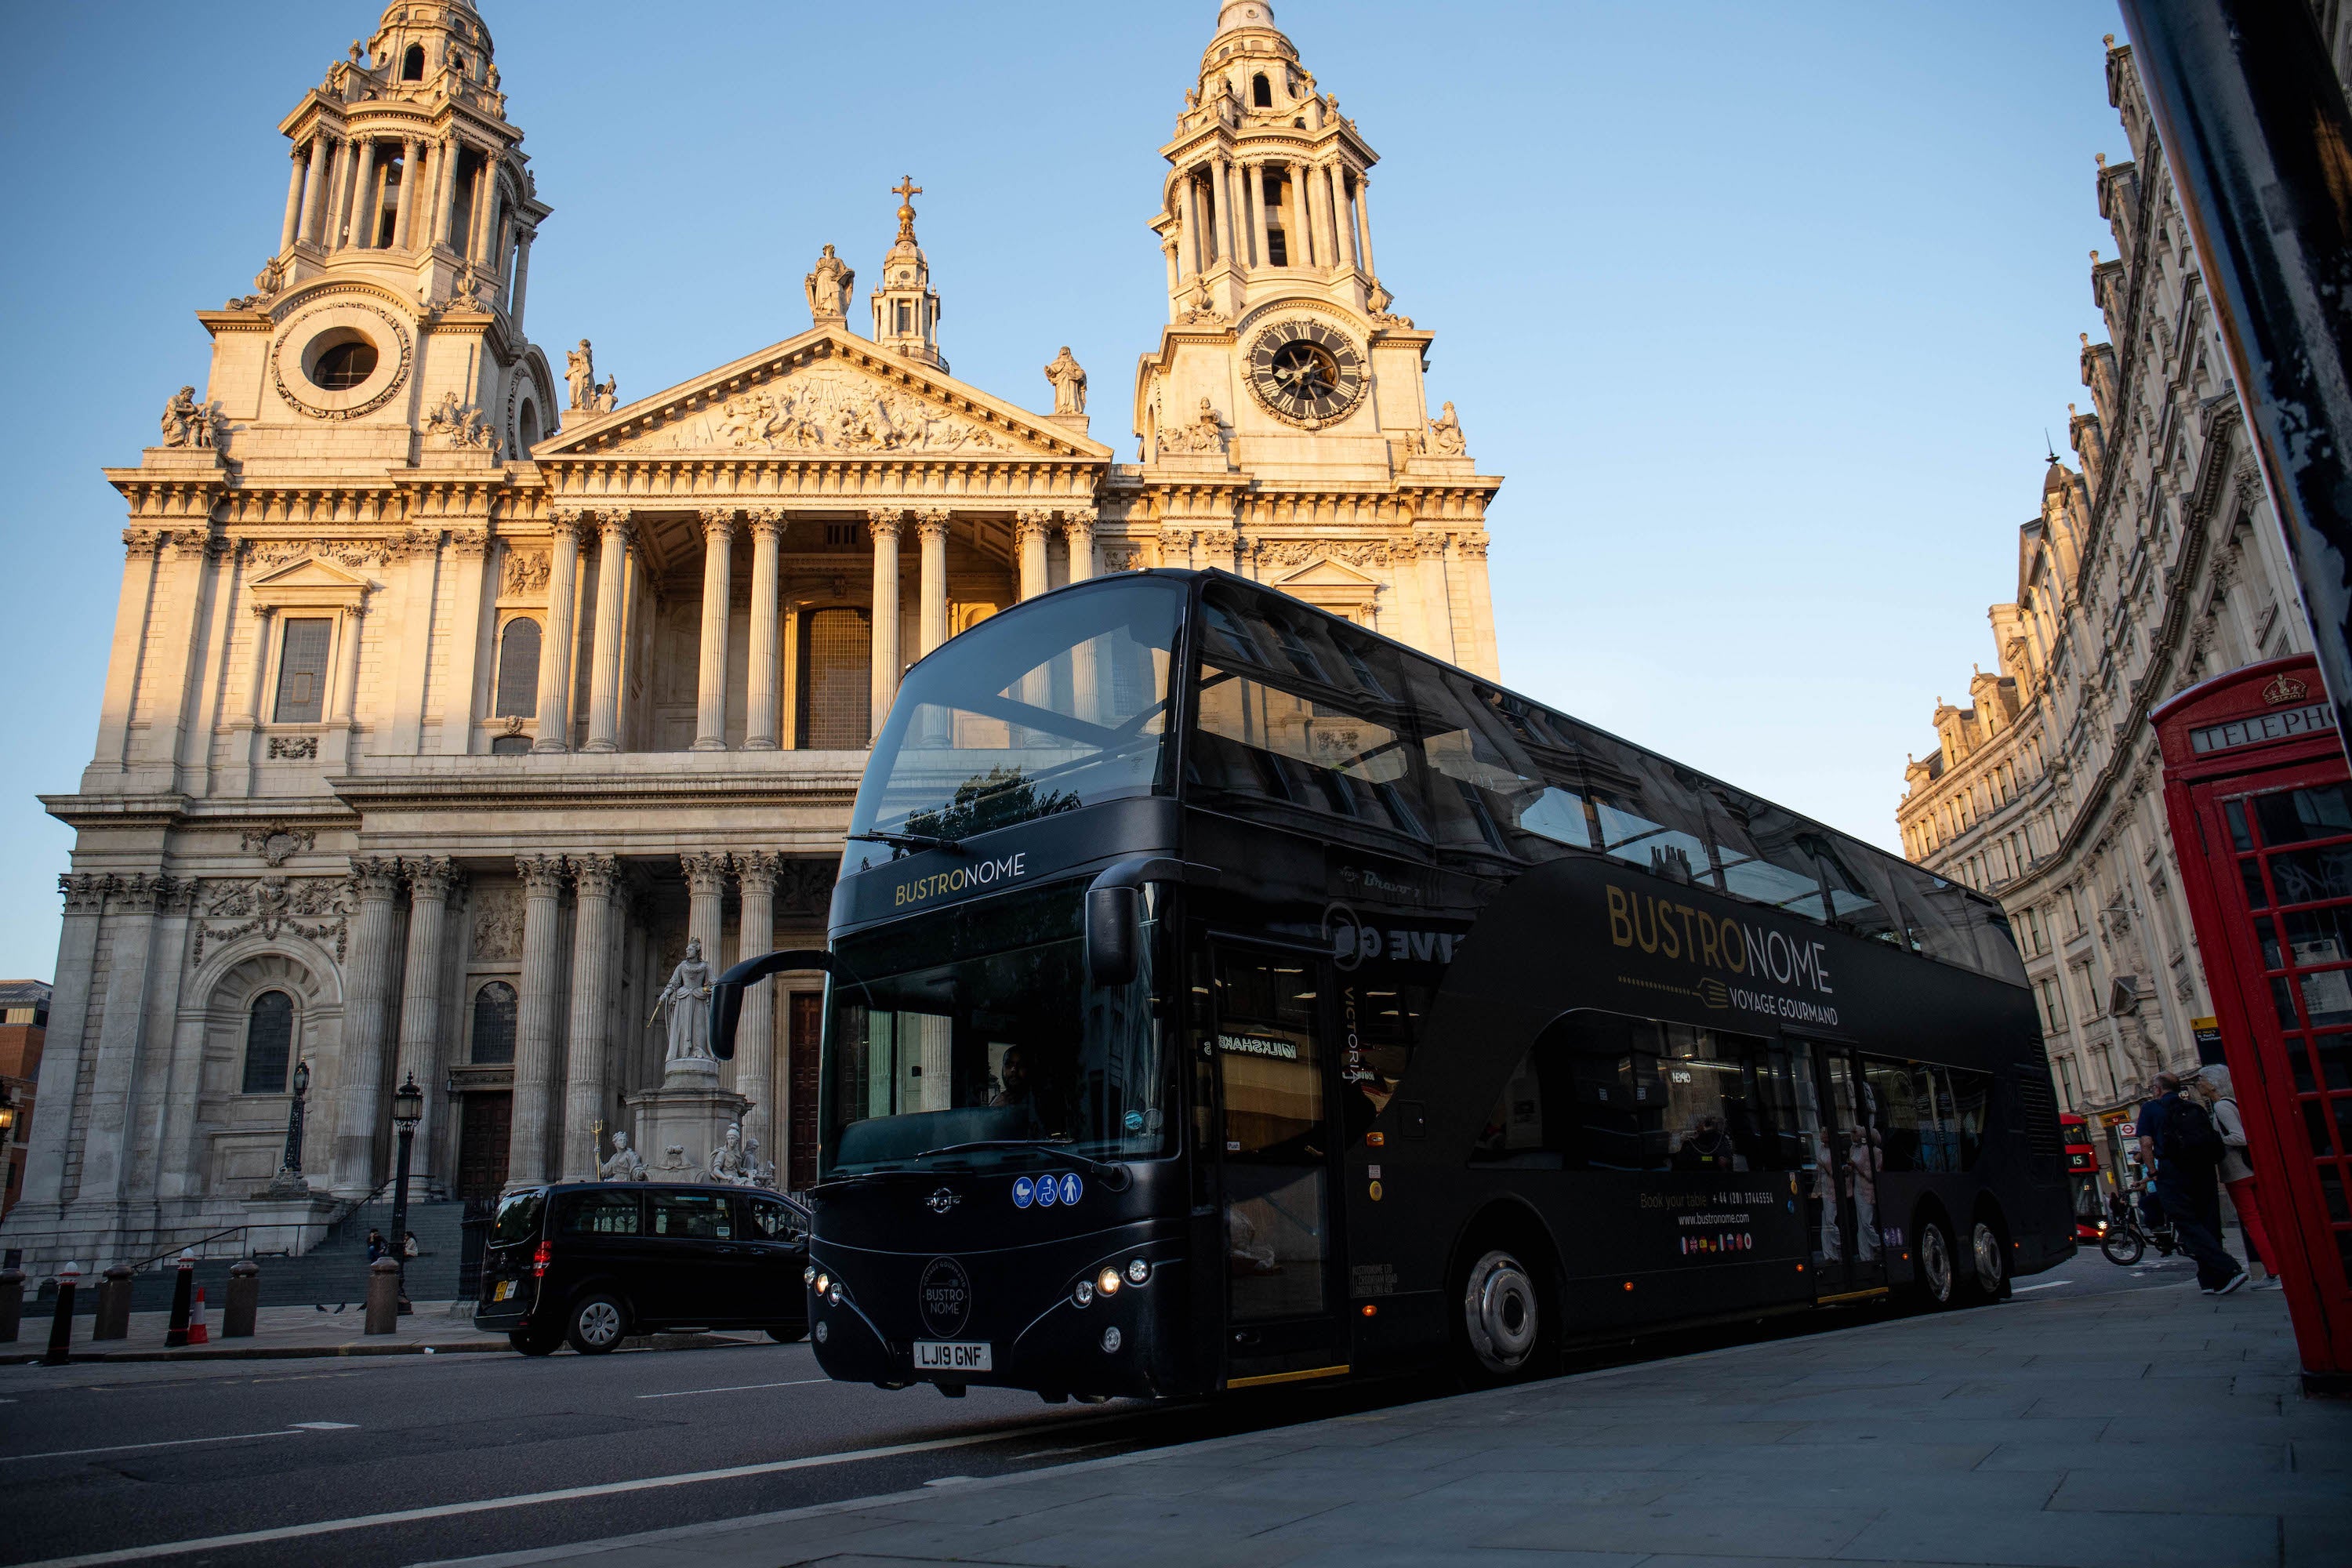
pixel 2188 1153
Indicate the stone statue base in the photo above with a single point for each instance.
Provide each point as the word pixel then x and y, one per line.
pixel 693 1117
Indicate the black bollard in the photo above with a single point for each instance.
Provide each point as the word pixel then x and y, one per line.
pixel 61 1326
pixel 183 1296
pixel 244 1303
pixel 114 1305
pixel 12 1303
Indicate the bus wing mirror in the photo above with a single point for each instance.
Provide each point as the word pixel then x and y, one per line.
pixel 1114 916
pixel 1114 913
pixel 726 992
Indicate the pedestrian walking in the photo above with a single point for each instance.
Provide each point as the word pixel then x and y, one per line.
pixel 2188 1150
pixel 376 1247
pixel 2212 1087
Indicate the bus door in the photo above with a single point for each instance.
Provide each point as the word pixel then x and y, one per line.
pixel 1848 1153
pixel 1277 1153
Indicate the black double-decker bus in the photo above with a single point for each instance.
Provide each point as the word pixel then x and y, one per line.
pixel 1221 995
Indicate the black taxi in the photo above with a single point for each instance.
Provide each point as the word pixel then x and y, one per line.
pixel 594 1262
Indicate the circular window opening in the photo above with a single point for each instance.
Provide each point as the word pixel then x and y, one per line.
pixel 344 366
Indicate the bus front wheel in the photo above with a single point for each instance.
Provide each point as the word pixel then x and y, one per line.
pixel 1502 1316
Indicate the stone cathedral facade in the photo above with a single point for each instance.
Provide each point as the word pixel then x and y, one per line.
pixel 450 696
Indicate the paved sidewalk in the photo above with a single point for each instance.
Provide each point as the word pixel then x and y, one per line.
pixel 299 1332
pixel 2143 1429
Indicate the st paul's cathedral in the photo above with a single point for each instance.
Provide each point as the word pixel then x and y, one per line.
pixel 450 697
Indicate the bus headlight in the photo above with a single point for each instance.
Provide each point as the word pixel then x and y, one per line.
pixel 1137 1271
pixel 824 1285
pixel 1084 1293
pixel 808 1275
pixel 1107 1282
pixel 1110 1339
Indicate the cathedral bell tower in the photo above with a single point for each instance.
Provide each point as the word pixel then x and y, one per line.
pixel 395 295
pixel 1284 420
pixel 906 306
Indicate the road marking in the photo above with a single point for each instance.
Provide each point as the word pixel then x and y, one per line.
pixel 2045 1285
pixel 128 1448
pixel 487 1505
pixel 735 1388
pixel 326 1426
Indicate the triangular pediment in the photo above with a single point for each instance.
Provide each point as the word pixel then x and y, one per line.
pixel 825 393
pixel 1325 573
pixel 310 573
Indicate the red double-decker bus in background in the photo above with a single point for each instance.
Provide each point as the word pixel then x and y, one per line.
pixel 2083 1186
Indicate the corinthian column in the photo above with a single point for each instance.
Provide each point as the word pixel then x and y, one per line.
pixel 931 528
pixel 604 672
pixel 883 525
pixel 717 566
pixel 293 202
pixel 430 881
pixel 368 981
pixel 314 180
pixel 410 155
pixel 534 1067
pixel 1029 532
pixel 594 878
pixel 759 733
pixel 1086 660
pixel 363 217
pixel 555 648
pixel 755 1036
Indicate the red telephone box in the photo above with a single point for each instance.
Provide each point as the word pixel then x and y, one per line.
pixel 2259 801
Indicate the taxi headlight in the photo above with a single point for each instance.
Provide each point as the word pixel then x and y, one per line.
pixel 1137 1271
pixel 1107 1282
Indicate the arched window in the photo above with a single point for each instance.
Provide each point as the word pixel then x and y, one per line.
pixel 494 1024
pixel 527 427
pixel 517 669
pixel 412 64
pixel 837 680
pixel 268 1042
pixel 1261 91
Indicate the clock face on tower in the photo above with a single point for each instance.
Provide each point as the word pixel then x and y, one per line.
pixel 1306 373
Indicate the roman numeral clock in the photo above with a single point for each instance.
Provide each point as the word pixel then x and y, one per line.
pixel 1306 373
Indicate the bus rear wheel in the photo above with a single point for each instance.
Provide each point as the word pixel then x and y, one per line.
pixel 1938 1282
pixel 1502 1317
pixel 1988 1264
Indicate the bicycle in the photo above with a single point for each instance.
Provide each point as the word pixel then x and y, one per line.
pixel 2128 1240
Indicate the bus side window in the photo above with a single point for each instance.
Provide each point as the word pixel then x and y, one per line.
pixel 1968 1094
pixel 1906 1093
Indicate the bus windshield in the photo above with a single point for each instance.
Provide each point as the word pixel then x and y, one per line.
pixel 977 1025
pixel 1063 705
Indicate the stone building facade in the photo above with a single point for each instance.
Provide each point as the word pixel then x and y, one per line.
pixel 2152 566
pixel 449 697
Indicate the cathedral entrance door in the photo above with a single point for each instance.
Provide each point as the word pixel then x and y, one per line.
pixel 482 1145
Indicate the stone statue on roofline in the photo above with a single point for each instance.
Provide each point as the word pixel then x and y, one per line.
pixel 830 285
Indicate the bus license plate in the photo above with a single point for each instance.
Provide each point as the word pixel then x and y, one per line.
pixel 951 1356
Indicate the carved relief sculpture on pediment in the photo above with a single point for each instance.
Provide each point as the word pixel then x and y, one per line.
pixel 826 409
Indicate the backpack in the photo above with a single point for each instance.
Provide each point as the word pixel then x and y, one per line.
pixel 2190 1139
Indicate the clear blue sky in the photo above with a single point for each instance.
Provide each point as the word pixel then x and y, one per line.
pixel 1761 309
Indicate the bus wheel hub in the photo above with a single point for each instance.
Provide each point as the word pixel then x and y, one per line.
pixel 1498 1308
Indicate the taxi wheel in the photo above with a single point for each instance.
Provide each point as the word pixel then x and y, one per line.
pixel 1939 1284
pixel 790 1336
pixel 1502 1317
pixel 531 1342
pixel 596 1325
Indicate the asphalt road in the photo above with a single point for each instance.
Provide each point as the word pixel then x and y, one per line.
pixel 135 1458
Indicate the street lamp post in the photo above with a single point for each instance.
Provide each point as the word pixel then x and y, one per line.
pixel 407 1110
pixel 289 1182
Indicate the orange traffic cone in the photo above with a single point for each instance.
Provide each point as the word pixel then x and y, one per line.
pixel 198 1334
